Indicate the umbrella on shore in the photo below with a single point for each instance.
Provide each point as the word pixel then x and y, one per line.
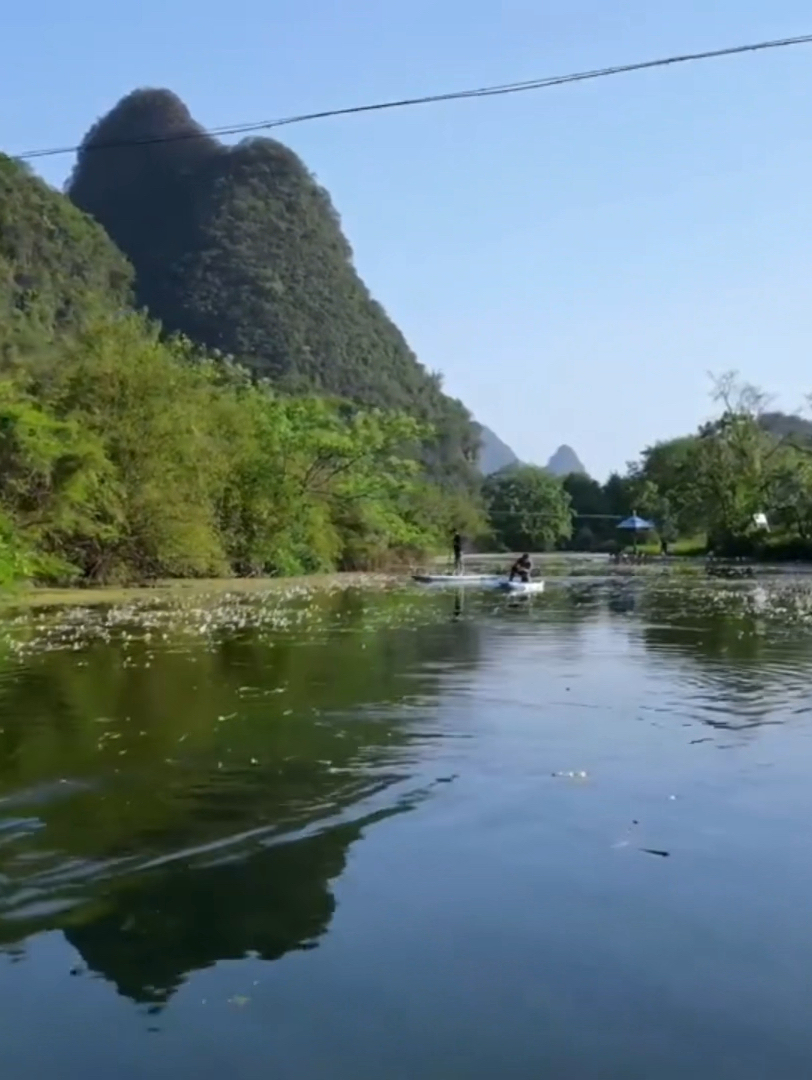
pixel 635 524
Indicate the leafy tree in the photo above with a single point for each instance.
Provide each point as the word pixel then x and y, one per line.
pixel 313 486
pixel 56 265
pixel 620 495
pixel 592 518
pixel 56 485
pixel 733 464
pixel 151 406
pixel 790 503
pixel 664 485
pixel 734 468
pixel 529 509
pixel 126 453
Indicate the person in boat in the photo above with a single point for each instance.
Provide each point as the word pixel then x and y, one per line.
pixel 456 544
pixel 520 571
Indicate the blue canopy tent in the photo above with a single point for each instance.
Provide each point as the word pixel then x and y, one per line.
pixel 635 524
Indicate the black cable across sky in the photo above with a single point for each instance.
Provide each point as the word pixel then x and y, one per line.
pixel 432 99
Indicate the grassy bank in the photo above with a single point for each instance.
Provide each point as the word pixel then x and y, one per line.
pixel 770 549
pixel 172 589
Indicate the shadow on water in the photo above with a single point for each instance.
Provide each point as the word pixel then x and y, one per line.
pixel 165 925
pixel 170 798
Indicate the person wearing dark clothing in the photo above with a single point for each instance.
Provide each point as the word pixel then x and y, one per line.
pixel 457 545
pixel 520 571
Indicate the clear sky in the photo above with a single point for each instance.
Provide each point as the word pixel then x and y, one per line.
pixel 573 261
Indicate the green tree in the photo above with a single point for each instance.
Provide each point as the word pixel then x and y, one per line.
pixel 529 510
pixel 790 503
pixel 592 520
pixel 152 408
pixel 734 466
pixel 718 480
pixel 664 487
pixel 56 265
pixel 314 484
pixel 57 488
pixel 128 454
pixel 619 494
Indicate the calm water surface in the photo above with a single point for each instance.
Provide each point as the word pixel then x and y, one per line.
pixel 353 835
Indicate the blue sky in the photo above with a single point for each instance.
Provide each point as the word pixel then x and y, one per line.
pixel 573 261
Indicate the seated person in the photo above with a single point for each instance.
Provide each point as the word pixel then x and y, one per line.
pixel 520 571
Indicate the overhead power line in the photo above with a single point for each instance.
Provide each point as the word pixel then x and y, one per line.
pixel 545 514
pixel 432 99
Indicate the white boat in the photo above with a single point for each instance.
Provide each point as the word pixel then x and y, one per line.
pixel 523 588
pixel 481 581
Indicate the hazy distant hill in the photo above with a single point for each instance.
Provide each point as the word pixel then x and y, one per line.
pixel 785 425
pixel 493 453
pixel 564 462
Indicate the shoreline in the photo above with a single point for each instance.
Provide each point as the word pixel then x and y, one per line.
pixel 28 596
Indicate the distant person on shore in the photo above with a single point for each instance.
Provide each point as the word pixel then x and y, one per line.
pixel 456 544
pixel 520 571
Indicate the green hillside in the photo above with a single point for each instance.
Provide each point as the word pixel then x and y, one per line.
pixel 129 454
pixel 242 251
pixel 56 264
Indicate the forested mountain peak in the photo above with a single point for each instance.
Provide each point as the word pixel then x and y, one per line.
pixel 787 426
pixel 241 249
pixel 150 118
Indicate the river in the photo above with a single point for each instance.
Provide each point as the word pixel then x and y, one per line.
pixel 364 833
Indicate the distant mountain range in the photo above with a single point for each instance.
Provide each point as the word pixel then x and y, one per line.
pixel 786 426
pixel 495 455
pixel 564 462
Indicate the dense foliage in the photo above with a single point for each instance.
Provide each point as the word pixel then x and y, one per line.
pixel 742 484
pixel 528 509
pixel 742 468
pixel 127 454
pixel 242 251
pixel 597 509
pixel 132 457
pixel 56 265
pixel 128 451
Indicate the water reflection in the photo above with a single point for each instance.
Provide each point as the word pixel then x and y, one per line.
pixel 184 787
pixel 175 803
pixel 156 930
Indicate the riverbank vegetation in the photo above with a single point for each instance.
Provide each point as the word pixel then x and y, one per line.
pixel 207 388
pixel 127 453
pixel 740 486
pixel 128 457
